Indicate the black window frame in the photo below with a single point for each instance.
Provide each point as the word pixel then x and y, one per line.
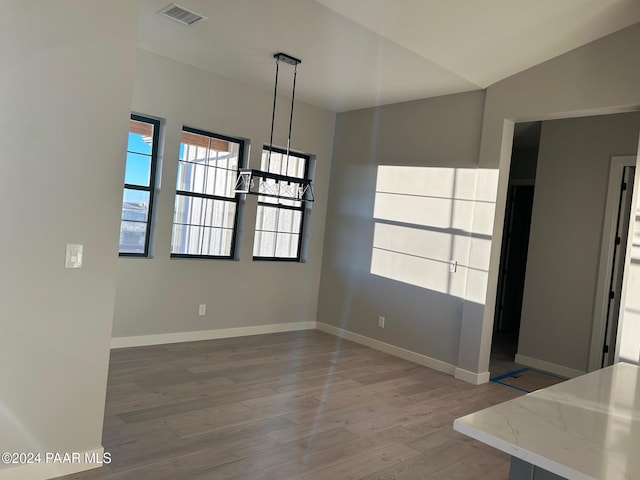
pixel 302 209
pixel 151 188
pixel 235 199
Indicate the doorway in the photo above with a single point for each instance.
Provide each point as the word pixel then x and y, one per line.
pixel 515 246
pixel 557 326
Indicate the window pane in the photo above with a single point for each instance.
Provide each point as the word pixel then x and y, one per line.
pixel 276 245
pixel 140 137
pixel 287 245
pixel 132 237
pixel 204 211
pixel 140 161
pixel 135 205
pixel 292 166
pixel 208 165
pixel 264 244
pixel 200 240
pixel 138 169
pixel 266 218
pixel 191 176
pixel 203 226
pixel 270 163
pixel 275 219
pixel 202 175
pixel 289 221
pixel 226 182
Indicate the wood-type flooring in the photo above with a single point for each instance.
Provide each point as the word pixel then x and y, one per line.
pixel 298 405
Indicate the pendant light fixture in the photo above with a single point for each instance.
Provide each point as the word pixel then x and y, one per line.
pixel 265 182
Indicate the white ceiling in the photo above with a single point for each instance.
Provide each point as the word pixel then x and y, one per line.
pixel 363 53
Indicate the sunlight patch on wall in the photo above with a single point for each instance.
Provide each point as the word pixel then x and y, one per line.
pixel 424 221
pixel 485 201
pixel 418 257
pixel 435 197
pixel 482 228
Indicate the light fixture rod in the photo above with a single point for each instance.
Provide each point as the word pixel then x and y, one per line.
pixel 288 59
pixel 293 96
pixel 273 113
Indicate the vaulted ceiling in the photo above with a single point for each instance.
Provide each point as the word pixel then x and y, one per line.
pixel 363 53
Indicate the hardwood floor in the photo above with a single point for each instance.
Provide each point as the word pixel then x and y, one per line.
pixel 298 405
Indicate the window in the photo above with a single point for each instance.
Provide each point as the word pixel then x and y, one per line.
pixel 206 208
pixel 279 221
pixel 139 182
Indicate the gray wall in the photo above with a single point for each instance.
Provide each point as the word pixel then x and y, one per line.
pixel 401 179
pixel 566 233
pixel 160 295
pixel 66 83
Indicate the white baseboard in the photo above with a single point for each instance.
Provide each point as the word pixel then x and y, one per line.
pixel 53 467
pixel 548 366
pixel 388 348
pixel 159 339
pixel 470 377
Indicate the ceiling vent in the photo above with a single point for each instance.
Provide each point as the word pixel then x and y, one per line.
pixel 181 14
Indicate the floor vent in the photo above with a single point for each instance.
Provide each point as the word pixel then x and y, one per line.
pixel 181 14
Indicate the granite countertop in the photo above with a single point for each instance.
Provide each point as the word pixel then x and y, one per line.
pixel 585 428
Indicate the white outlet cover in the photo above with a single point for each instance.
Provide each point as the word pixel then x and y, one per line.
pixel 73 257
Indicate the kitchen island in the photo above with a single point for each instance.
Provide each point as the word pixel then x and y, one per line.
pixel 585 428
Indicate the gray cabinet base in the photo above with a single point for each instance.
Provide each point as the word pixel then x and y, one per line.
pixel 521 470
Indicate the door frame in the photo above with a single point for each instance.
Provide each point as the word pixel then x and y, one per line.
pixel 618 163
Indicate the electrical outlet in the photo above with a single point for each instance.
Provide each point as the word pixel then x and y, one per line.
pixel 202 310
pixel 381 322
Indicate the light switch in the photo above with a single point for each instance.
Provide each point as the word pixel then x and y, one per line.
pixel 73 258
